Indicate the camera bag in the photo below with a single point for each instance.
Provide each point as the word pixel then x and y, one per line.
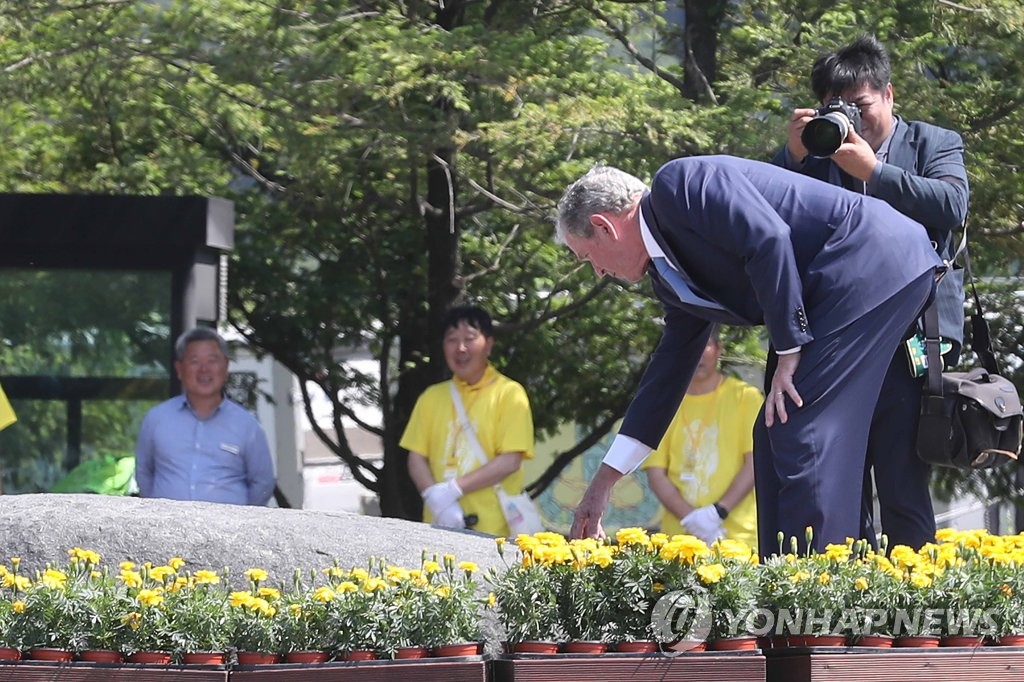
pixel 973 419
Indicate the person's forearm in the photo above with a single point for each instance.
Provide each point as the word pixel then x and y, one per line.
pixel 667 493
pixel 741 484
pixel 419 471
pixel 492 473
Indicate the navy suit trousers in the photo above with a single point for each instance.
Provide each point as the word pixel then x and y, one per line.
pixel 809 472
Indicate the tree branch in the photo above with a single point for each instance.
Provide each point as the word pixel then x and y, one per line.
pixel 620 35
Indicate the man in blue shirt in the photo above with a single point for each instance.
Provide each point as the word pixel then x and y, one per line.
pixel 201 445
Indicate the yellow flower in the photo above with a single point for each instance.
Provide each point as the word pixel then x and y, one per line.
pixel 261 605
pixel 257 575
pixel 323 594
pixel 603 557
pixel 269 593
pixel 132 620
pixel 632 536
pixel 19 582
pixel 799 576
pixel 431 566
pixel 491 599
pixel 238 599
pixel 176 563
pixel 919 580
pixel 861 583
pixel 837 552
pixel 734 549
pixel 150 597
pixel 206 577
pixel 18 606
pixel 374 584
pixel 131 578
pixel 295 610
pixel 126 565
pixel 347 586
pixel 468 566
pixel 397 574
pixel 158 573
pixel 443 591
pixel 824 579
pixel 86 555
pixel 711 573
pixel 359 574
pixel 54 579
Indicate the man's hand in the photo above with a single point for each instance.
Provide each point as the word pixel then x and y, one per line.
pixel 782 386
pixel 704 523
pixel 856 157
pixel 451 517
pixel 587 521
pixel 797 121
pixel 440 496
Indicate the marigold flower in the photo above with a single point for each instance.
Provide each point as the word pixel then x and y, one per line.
pixel 323 594
pixel 468 566
pixel 150 597
pixel 431 566
pixel 18 606
pixel 54 579
pixel 176 563
pixel 710 573
pixel 347 586
pixel 257 575
pixel 204 577
pixel 126 565
pixel 861 583
pixel 239 599
pixel 269 593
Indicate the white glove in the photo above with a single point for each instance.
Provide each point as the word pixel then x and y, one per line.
pixel 704 523
pixel 440 496
pixel 450 517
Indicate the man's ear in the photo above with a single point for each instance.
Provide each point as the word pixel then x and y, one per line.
pixel 601 224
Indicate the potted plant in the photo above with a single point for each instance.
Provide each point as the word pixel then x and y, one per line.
pixel 455 609
pixel 730 574
pixel 253 626
pixel 55 611
pixel 526 593
pixel 305 634
pixel 199 618
pixel 585 612
pixel 12 610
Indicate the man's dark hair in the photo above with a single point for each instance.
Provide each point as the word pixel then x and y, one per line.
pixel 865 60
pixel 473 315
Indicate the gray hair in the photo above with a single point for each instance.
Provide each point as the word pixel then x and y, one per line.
pixel 604 189
pixel 198 334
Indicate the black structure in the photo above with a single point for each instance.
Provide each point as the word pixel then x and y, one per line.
pixel 183 236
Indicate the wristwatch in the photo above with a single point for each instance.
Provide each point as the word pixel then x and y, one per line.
pixel 722 511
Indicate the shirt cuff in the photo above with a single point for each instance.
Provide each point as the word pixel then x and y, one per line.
pixel 626 454
pixel 789 351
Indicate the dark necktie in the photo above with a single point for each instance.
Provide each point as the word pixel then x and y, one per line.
pixel 682 286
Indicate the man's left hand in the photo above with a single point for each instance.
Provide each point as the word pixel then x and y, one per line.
pixel 856 157
pixel 782 387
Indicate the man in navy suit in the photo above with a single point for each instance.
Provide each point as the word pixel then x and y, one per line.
pixel 836 277
pixel 918 169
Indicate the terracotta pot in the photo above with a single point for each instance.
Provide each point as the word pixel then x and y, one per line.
pixel 878 641
pixel 203 658
pixel 734 644
pixel 151 657
pixel 585 647
pixel 1010 640
pixel 961 640
pixel 42 653
pixel 639 647
pixel 412 652
pixel 305 657
pixel 359 655
pixel 817 640
pixel 687 645
pixel 257 658
pixel 535 647
pixel 460 649
pixel 916 641
pixel 101 656
pixel 9 654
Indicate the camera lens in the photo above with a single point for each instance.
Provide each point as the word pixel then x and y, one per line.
pixel 823 134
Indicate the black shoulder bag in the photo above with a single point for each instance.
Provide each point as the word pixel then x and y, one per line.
pixel 973 419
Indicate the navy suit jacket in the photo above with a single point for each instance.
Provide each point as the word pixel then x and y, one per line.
pixel 800 256
pixel 920 155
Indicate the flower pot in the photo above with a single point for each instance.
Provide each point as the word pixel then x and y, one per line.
pixel 584 647
pixel 638 647
pixel 734 644
pixel 101 656
pixel 257 658
pixel 817 640
pixel 42 653
pixel 305 657
pixel 359 655
pixel 1010 640
pixel 8 653
pixel 961 640
pixel 404 652
pixel 878 641
pixel 150 657
pixel 690 645
pixel 203 658
pixel 532 647
pixel 916 641
pixel 460 649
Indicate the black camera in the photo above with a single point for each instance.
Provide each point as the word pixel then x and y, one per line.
pixel 828 129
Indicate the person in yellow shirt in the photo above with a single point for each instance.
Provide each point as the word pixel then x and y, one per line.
pixel 456 485
pixel 703 469
pixel 7 416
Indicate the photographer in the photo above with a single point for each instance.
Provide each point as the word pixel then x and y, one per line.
pixel 918 169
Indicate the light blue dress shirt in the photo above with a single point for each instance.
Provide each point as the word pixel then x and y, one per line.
pixel 223 458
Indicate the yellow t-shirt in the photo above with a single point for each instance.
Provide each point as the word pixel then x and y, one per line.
pixel 500 413
pixel 704 449
pixel 7 416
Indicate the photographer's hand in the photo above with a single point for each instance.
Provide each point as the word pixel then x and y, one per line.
pixel 797 121
pixel 856 157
